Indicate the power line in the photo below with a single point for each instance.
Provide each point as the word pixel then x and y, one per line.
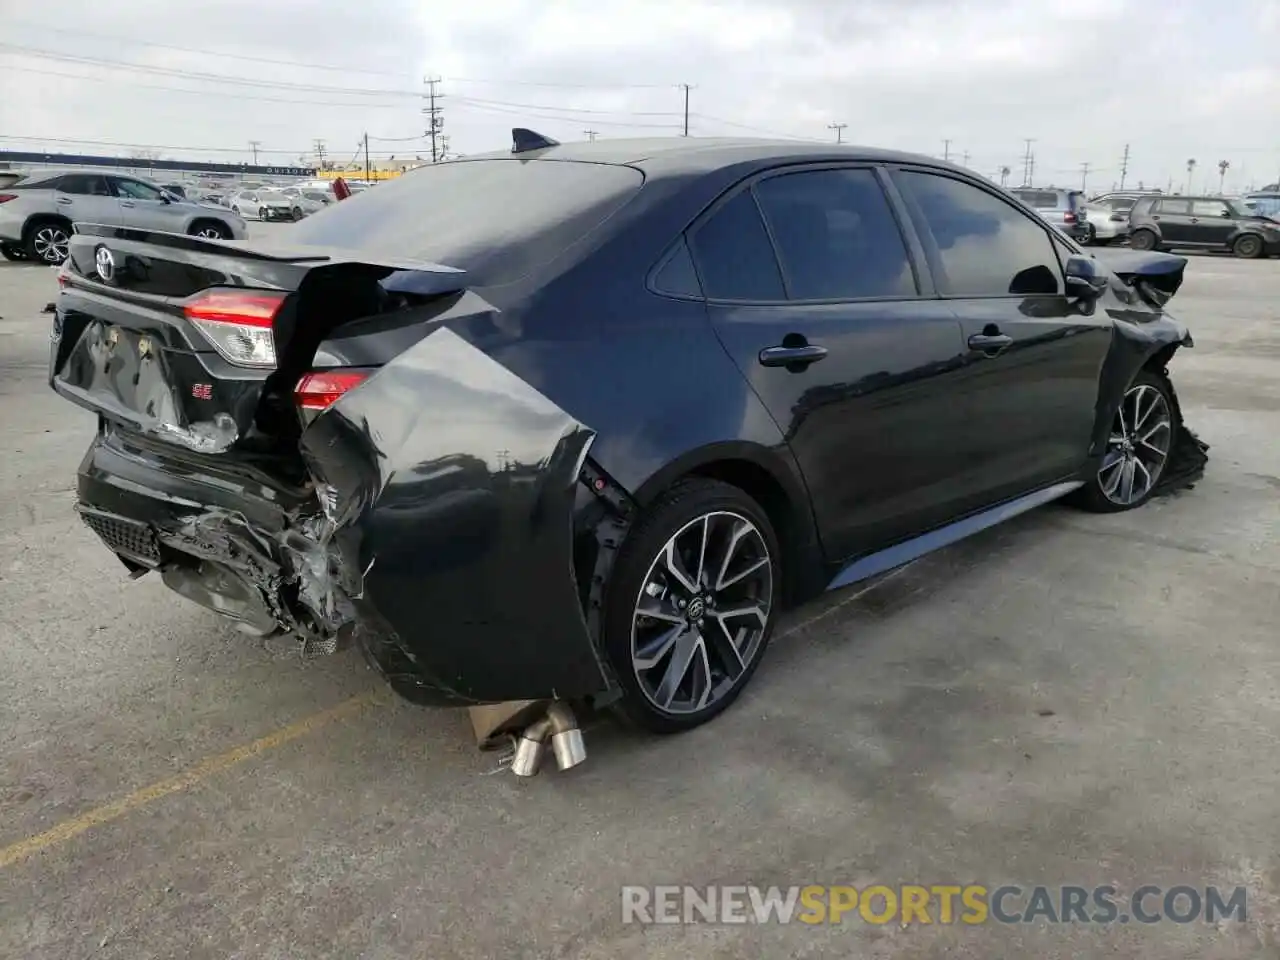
pixel 118 38
pixel 597 122
pixel 583 110
pixel 564 86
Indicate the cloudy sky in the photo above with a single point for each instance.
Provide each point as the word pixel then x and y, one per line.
pixel 1174 79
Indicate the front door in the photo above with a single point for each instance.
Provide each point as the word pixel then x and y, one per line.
pixel 86 198
pixel 1212 223
pixel 811 290
pixel 1029 389
pixel 145 207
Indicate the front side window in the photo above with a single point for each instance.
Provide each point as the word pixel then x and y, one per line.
pixel 137 190
pixel 733 254
pixel 1209 208
pixel 985 246
pixel 836 235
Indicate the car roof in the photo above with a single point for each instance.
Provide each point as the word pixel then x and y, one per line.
pixel 43 172
pixel 677 155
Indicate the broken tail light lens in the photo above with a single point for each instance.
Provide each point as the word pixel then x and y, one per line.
pixel 238 323
pixel 1069 217
pixel 6 197
pixel 320 389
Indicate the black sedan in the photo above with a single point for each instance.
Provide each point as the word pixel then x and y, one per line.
pixel 576 422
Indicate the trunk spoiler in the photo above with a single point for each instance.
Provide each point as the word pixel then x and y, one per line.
pixel 404 274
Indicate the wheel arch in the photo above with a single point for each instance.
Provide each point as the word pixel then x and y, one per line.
pixel 775 485
pixel 36 219
pixel 201 218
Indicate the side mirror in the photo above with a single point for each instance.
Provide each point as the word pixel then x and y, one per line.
pixel 1226 213
pixel 165 198
pixel 1084 278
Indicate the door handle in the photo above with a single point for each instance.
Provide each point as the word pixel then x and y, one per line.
pixel 991 344
pixel 802 355
pixel 1195 219
pixel 64 200
pixel 1155 218
pixel 127 203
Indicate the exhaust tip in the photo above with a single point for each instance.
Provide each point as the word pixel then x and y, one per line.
pixel 528 757
pixel 568 748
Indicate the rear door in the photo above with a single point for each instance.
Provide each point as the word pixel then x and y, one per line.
pixel 1173 214
pixel 144 206
pixel 812 289
pixel 87 198
pixel 1029 389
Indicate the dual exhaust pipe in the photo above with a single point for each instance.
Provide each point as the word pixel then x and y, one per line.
pixel 559 727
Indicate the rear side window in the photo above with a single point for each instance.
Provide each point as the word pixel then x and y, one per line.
pixel 1121 203
pixel 1170 206
pixel 733 253
pixel 836 235
pixel 497 219
pixel 985 246
pixel 85 184
pixel 677 276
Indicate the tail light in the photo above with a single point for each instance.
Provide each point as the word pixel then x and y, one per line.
pixel 318 390
pixel 239 323
pixel 6 197
pixel 1068 217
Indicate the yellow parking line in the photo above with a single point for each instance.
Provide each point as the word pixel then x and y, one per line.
pixel 188 778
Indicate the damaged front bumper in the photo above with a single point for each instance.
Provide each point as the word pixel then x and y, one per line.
pixel 434 526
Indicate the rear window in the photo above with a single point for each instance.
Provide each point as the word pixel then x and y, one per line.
pixel 1040 199
pixel 497 219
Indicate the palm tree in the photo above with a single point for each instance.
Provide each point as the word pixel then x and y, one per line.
pixel 1223 166
pixel 1191 166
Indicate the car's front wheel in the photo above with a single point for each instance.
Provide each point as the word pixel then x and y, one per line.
pixel 1248 247
pixel 13 252
pixel 1138 447
pixel 691 604
pixel 210 231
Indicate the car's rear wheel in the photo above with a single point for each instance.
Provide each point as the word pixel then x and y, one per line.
pixel 1138 447
pixel 1248 247
pixel 1090 235
pixel 1143 240
pixel 691 605
pixel 48 242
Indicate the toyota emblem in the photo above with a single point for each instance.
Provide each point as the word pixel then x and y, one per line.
pixel 105 264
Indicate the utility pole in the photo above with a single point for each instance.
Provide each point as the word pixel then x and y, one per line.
pixel 946 149
pixel 1084 175
pixel 964 160
pixel 590 134
pixel 1124 166
pixel 319 145
pixel 434 113
pixel 1028 163
pixel 839 129
pixel 366 157
pixel 254 145
pixel 686 88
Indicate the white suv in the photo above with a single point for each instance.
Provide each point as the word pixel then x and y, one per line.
pixel 38 211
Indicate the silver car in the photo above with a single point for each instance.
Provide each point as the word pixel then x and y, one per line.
pixel 1063 209
pixel 263 204
pixel 38 211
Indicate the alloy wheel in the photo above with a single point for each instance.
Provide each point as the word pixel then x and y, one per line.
pixel 1138 447
pixel 51 244
pixel 702 612
pixel 209 233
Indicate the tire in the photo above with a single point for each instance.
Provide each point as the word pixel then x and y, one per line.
pixel 13 252
pixel 1148 402
pixel 46 242
pixel 297 213
pixel 1248 247
pixel 1090 237
pixel 1143 239
pixel 720 644
pixel 209 229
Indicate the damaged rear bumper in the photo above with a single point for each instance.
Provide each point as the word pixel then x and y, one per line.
pixel 434 526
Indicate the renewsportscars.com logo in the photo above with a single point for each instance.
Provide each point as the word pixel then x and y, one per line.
pixel 937 903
